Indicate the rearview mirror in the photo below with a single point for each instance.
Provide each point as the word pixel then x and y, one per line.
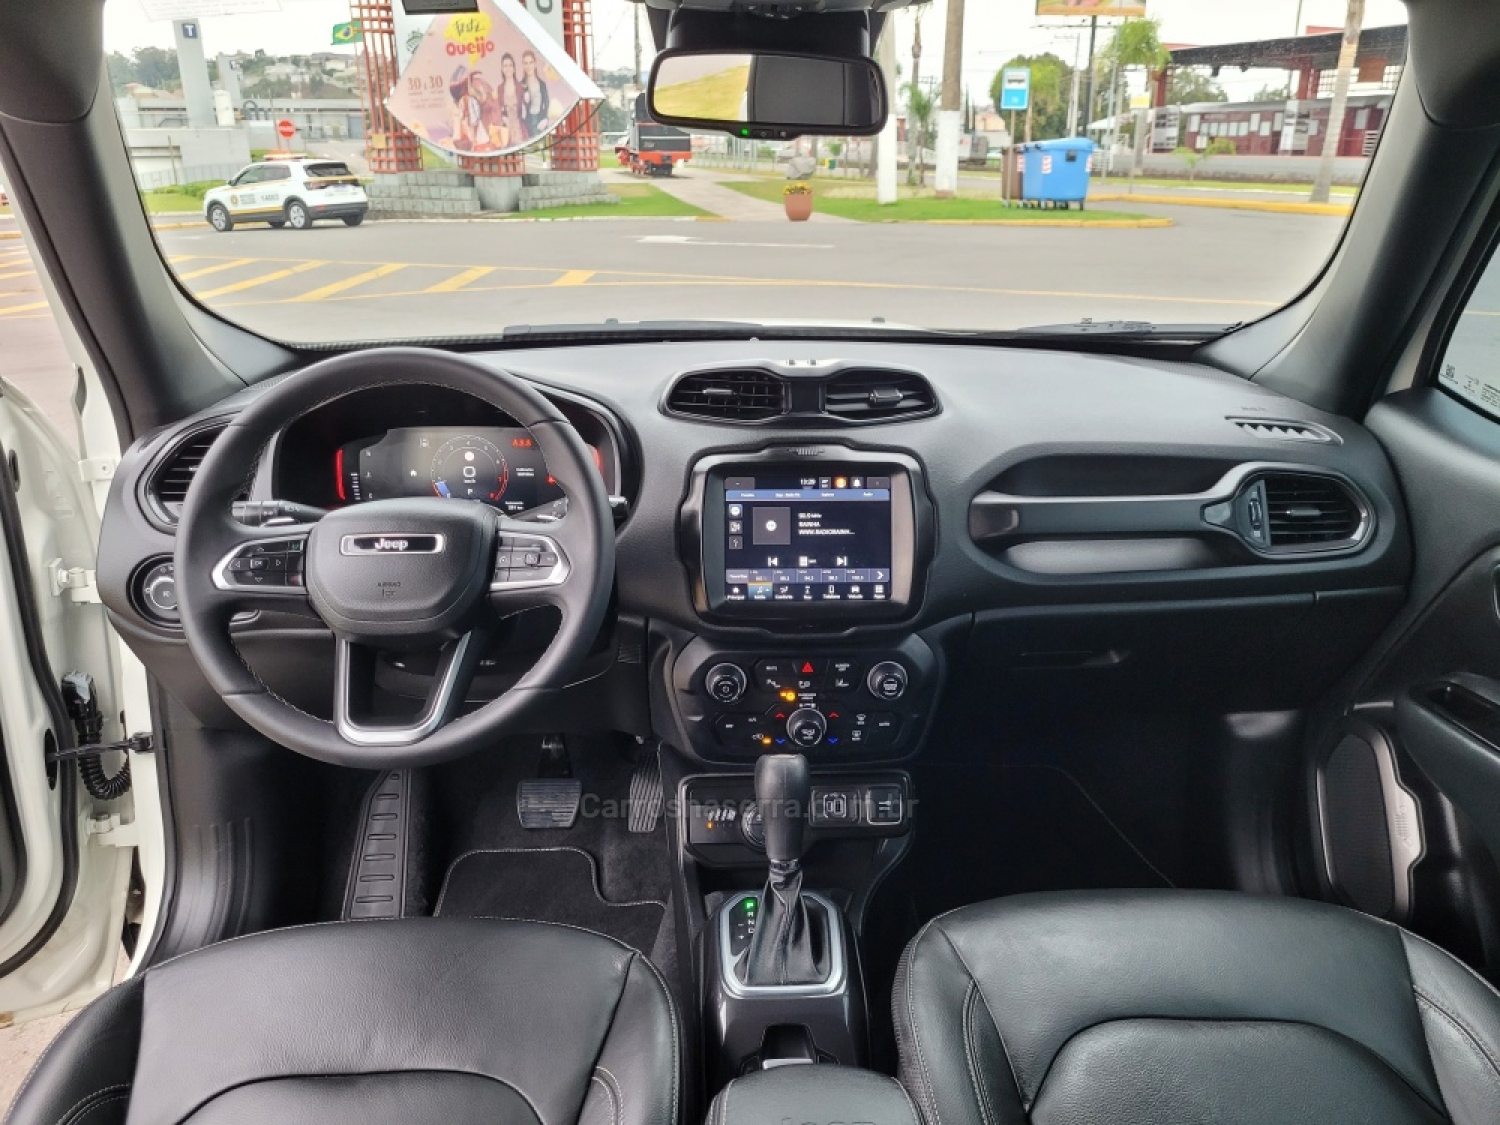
pixel 768 95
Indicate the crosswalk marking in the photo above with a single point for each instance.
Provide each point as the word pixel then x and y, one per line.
pixel 350 282
pixel 262 279
pixel 214 269
pixel 459 280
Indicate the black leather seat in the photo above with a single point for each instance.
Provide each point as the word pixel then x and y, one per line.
pixel 1168 1007
pixel 422 1022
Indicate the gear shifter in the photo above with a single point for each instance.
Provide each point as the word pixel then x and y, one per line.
pixel 790 946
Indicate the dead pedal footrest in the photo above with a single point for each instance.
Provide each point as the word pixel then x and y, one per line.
pixel 549 802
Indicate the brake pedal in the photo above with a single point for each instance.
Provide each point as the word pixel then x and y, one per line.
pixel 548 802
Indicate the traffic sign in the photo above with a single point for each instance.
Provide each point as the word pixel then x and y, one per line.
pixel 1015 88
pixel 285 129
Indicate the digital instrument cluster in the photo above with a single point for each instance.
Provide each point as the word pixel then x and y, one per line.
pixel 499 466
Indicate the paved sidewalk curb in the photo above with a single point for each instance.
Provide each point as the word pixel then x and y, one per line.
pixel 1108 224
pixel 1289 208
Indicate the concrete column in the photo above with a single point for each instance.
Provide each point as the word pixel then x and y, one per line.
pixel 193 66
pixel 949 125
pixel 889 139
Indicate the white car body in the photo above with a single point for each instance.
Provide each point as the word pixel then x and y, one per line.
pixel 296 193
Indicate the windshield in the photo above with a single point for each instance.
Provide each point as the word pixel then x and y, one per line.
pixel 322 174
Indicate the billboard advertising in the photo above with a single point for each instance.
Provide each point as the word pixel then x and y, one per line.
pixel 1123 9
pixel 487 82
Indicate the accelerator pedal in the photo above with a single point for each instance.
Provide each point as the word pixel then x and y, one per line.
pixel 646 797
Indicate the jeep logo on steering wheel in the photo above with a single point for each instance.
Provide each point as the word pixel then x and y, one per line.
pixel 391 544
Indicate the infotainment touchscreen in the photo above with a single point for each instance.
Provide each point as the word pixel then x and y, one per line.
pixel 818 534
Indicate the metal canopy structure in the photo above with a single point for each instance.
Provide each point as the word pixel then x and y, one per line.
pixel 1303 52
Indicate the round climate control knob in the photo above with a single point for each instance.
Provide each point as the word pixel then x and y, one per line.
pixel 887 680
pixel 726 682
pixel 806 727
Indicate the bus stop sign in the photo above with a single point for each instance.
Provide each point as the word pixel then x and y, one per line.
pixel 1015 88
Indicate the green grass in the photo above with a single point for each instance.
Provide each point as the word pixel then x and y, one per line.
pixel 918 205
pixel 608 159
pixel 182 197
pixel 637 201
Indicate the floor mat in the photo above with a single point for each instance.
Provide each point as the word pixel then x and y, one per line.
pixel 544 885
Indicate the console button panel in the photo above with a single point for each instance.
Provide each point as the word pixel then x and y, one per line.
pixel 832 705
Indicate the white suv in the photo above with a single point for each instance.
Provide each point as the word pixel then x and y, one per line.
pixel 293 193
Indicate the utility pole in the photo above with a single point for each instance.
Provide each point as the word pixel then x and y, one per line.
pixel 913 149
pixel 886 142
pixel 638 79
pixel 1354 22
pixel 1088 98
pixel 949 122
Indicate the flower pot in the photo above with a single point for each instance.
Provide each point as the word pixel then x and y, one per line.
pixel 799 208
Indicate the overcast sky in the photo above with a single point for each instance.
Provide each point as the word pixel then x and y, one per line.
pixel 994 31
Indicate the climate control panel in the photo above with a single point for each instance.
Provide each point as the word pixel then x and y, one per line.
pixel 832 705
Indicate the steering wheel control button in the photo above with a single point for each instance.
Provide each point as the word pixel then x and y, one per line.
pixel 726 682
pixel 806 727
pixel 887 681
pixel 525 560
pixel 268 564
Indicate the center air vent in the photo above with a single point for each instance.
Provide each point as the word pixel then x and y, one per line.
pixel 868 395
pixel 1305 512
pixel 172 479
pixel 729 396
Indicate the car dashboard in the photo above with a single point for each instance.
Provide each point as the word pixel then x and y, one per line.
pixel 852 549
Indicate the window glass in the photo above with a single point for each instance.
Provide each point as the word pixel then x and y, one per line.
pixel 1471 366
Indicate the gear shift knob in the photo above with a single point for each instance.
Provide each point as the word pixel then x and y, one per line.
pixel 783 792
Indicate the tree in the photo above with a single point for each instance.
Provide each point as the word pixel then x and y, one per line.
pixel 1354 22
pixel 1051 87
pixel 1219 146
pixel 921 110
pixel 1138 43
pixel 1270 94
pixel 157 67
pixel 1189 87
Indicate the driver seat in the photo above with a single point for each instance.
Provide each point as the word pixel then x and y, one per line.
pixel 423 1021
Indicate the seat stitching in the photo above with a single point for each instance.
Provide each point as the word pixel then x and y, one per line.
pixel 68 1114
pixel 614 1104
pixel 969 1053
pixel 916 1038
pixel 1004 1050
pixel 619 1090
pixel 100 1104
pixel 1461 1027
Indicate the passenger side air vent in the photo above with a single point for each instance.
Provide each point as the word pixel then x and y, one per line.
pixel 171 481
pixel 1305 512
pixel 729 396
pixel 1279 430
pixel 870 395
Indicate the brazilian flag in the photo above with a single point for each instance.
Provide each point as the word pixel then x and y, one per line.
pixel 349 32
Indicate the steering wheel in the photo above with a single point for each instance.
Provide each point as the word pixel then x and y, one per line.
pixel 409 574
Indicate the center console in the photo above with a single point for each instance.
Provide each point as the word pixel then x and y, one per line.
pixel 796 542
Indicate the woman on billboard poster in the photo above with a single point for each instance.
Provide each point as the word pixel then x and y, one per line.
pixel 536 102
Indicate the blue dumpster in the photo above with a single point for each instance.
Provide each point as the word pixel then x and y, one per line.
pixel 1057 172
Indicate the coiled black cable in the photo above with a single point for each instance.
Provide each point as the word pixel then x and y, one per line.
pixel 82 702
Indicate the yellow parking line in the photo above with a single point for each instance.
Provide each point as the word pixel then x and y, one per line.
pixel 214 269
pixel 459 280
pixel 262 279
pixel 573 277
pixel 350 282
pixel 22 308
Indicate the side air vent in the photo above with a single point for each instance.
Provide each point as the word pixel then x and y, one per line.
pixel 878 396
pixel 729 396
pixel 1279 430
pixel 171 481
pixel 1305 512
